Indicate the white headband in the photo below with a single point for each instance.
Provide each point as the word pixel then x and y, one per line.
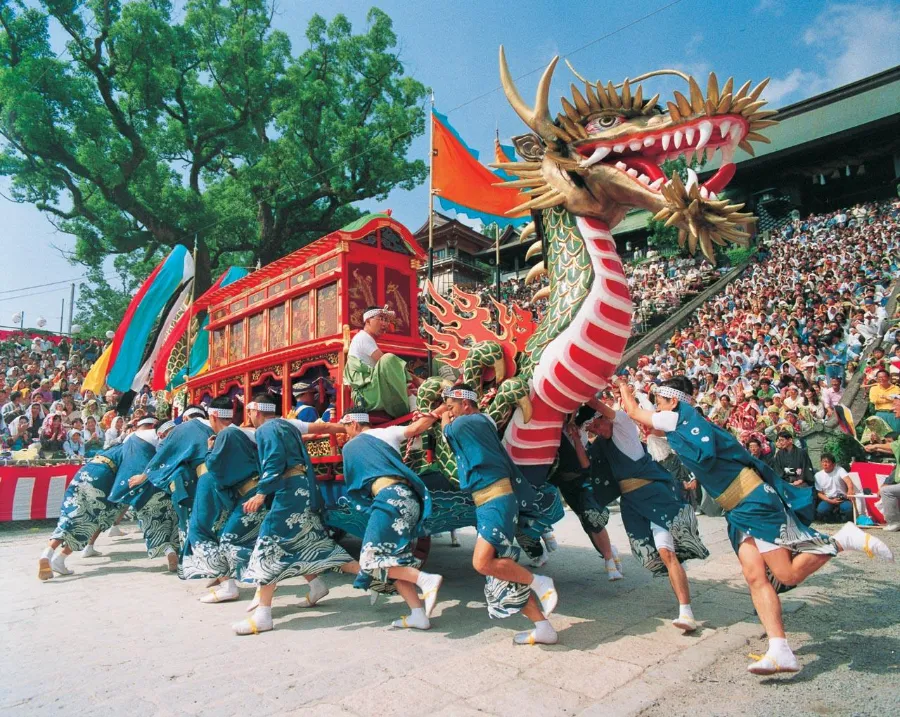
pixel 194 412
pixel 462 393
pixel 669 392
pixel 167 426
pixel 355 418
pixel 372 313
pixel 264 407
pixel 149 421
pixel 220 412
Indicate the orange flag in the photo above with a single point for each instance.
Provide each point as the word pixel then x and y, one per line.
pixel 462 183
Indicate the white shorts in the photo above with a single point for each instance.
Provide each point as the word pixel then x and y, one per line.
pixel 662 538
pixel 763 546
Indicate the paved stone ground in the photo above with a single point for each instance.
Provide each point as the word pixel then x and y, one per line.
pixel 122 636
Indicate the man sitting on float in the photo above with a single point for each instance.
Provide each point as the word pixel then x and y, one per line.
pixel 379 380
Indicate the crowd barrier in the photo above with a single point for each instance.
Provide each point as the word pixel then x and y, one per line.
pixel 33 492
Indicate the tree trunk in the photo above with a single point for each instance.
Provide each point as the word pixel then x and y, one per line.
pixel 202 269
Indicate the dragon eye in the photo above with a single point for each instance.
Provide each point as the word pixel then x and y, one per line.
pixel 605 122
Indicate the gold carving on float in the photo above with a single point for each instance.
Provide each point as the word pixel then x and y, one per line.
pixel 318 448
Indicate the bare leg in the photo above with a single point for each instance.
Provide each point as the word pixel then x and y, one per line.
pixel 486 562
pixel 765 599
pixel 602 543
pixel 793 569
pixel 778 657
pixel 408 592
pixel 351 568
pixel 265 594
pixel 677 576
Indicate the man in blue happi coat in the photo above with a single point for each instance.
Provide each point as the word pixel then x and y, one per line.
pixel 397 504
pixel 768 518
pixel 305 403
pixel 175 467
pixel 500 493
pixel 292 537
pixel 91 503
pixel 218 549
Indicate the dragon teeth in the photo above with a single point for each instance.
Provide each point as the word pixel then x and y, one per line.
pixel 692 179
pixel 621 165
pixel 618 148
pixel 723 127
pixel 649 141
pixel 657 184
pixel 689 135
pixel 631 172
pixel 679 136
pixel 635 145
pixel 704 192
pixel 644 179
pixel 705 128
pixel 666 138
pixel 598 155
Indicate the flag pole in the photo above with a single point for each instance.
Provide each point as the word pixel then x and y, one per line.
pixel 497 230
pixel 190 307
pixel 430 222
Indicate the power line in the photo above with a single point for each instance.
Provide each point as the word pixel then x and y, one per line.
pixel 45 291
pixel 40 286
pixel 576 50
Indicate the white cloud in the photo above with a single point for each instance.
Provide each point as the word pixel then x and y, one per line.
pixel 795 80
pixel 854 40
pixel 850 41
pixel 775 7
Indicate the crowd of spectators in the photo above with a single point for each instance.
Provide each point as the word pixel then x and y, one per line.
pixel 44 409
pixel 771 355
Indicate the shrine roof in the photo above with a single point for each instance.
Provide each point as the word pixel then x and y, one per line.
pixel 354 231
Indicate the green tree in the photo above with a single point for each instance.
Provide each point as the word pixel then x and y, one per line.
pixel 104 296
pixel 149 132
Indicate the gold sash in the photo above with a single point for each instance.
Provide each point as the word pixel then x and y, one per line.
pixel 384 482
pixel 201 470
pixel 109 462
pixel 247 485
pixel 630 484
pixel 498 489
pixel 747 481
pixel 294 471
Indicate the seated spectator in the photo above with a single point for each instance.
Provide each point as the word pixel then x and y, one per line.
pixel 115 434
pixel 52 436
pixel 881 396
pixel 791 462
pixel 93 437
pixel 74 446
pixel 833 485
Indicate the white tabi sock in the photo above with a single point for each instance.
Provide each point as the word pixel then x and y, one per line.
pixel 852 538
pixel 612 570
pixel 542 634
pixel 546 593
pixel 263 614
pixel 416 620
pixel 228 586
pixel 781 652
pixel 58 564
pixel 429 583
pixel 48 553
pixel 686 611
pixel 169 550
pixel 317 590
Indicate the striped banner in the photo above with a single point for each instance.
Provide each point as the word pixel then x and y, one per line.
pixel 33 492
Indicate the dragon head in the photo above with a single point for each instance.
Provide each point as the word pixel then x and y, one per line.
pixel 602 155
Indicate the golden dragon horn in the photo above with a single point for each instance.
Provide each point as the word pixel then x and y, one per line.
pixel 538 119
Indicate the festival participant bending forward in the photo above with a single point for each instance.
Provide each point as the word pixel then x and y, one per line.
pixel 586 497
pixel 89 506
pixel 227 478
pixel 768 518
pixel 500 492
pixel 151 506
pixel 397 503
pixel 292 538
pixel 662 529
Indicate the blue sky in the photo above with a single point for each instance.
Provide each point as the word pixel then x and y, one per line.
pixel 805 46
